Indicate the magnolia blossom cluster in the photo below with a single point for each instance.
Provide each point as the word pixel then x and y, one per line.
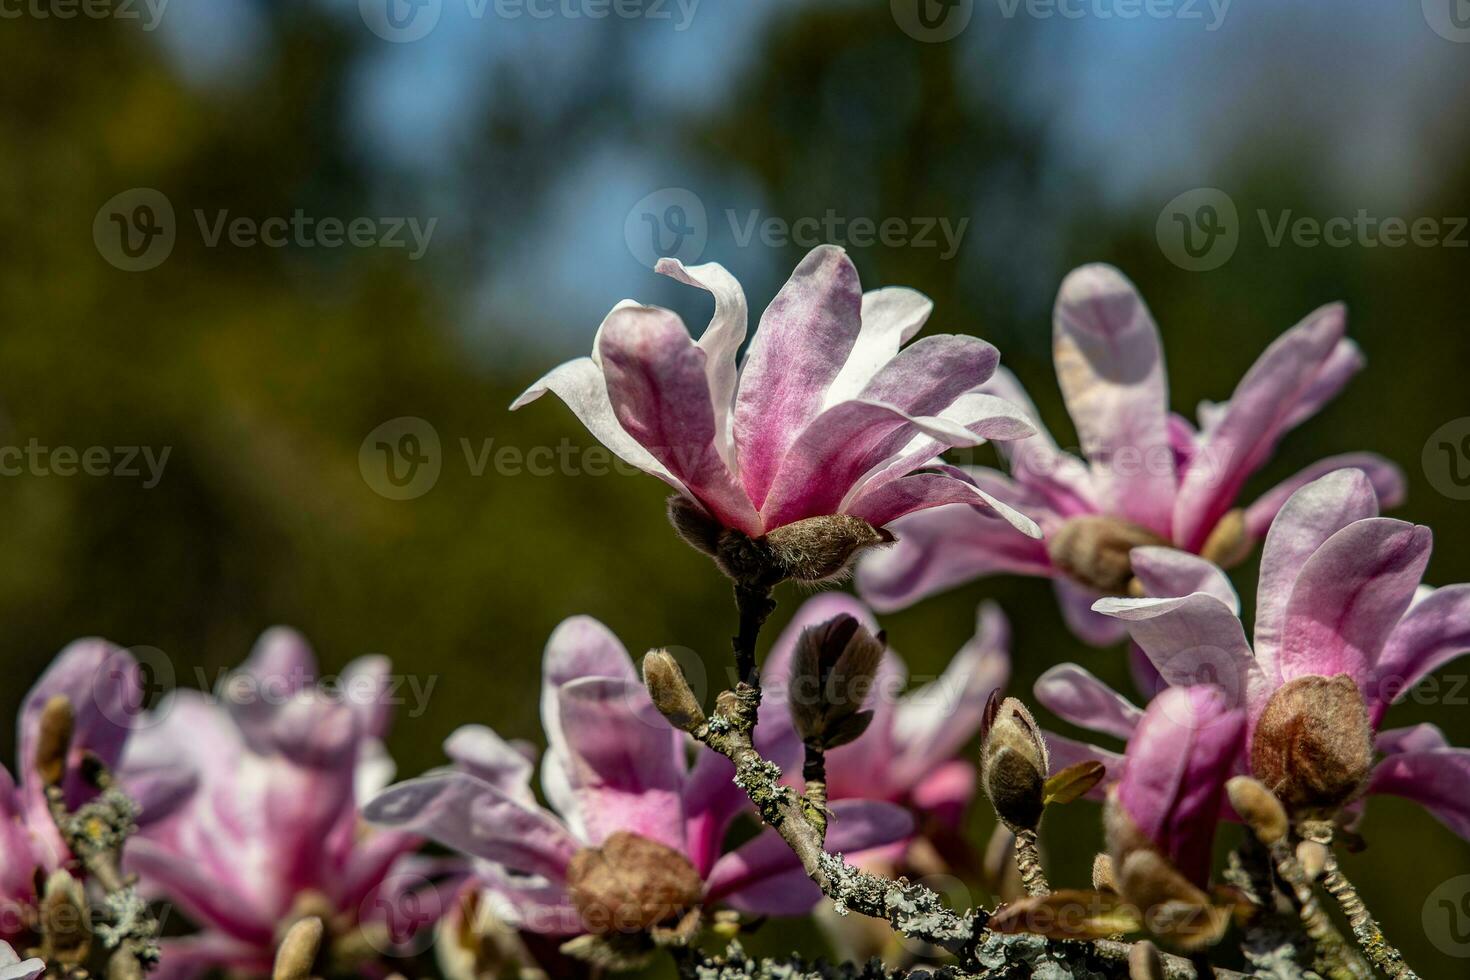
pixel 266 813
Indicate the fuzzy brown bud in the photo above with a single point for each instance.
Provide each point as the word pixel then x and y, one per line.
pixel 1312 856
pixel 1259 808
pixel 1013 763
pixel 298 951
pixel 1144 962
pixel 54 740
pixel 819 549
pixel 631 884
pixel 670 691
pixel 1313 745
pixel 1094 551
pixel 692 523
pixel 1103 878
pixel 831 673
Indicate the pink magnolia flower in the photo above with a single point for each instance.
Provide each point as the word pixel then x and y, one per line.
pixel 826 416
pixel 272 830
pixel 1171 785
pixel 908 755
pixel 616 775
pixel 1343 630
pixel 1150 477
pixel 101 682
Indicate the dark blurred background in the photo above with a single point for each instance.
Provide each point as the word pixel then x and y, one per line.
pixel 541 141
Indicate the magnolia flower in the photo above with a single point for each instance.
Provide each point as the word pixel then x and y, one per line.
pixel 633 842
pixel 1150 477
pixel 272 831
pixel 909 753
pixel 101 682
pixel 1343 630
pixel 1161 815
pixel 827 416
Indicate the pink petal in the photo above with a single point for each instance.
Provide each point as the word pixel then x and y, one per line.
pixel 1245 435
pixel 1415 738
pixel 923 491
pixel 625 762
pixel 1386 477
pixel 469 815
pixel 1167 572
pixel 188 957
pixel 1077 603
pixel 1111 371
pixel 1193 639
pixel 532 905
pixel 1345 361
pixel 1310 516
pixel 581 385
pixel 1438 780
pixel 1175 769
pixel 1075 695
pixel 712 801
pixel 805 338
pixel 368 686
pixel 505 765
pixel 933 722
pixel 945 793
pixel 947 546
pixel 658 388
pixel 1433 632
pixel 891 317
pixel 208 898
pixel 1060 478
pixel 764 877
pixel 720 341
pixel 1349 596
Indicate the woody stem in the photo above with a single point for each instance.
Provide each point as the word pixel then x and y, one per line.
pixel 1365 927
pixel 754 605
pixel 1028 862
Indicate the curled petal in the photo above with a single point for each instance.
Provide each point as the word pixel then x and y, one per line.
pixel 1077 696
pixel 1385 475
pixel 1435 631
pixel 1167 572
pixel 1438 780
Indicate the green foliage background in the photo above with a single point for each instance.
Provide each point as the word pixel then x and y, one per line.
pixel 265 369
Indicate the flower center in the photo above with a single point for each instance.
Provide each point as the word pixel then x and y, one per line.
pixel 630 884
pixel 1093 551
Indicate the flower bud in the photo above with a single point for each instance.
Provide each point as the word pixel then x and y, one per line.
pixel 1259 808
pixel 831 673
pixel 1094 551
pixel 670 691
pixel 1013 763
pixel 1313 744
pixel 819 549
pixel 1144 962
pixel 298 951
pixel 54 740
pixel 66 925
pixel 1103 878
pixel 631 884
pixel 1229 542
pixel 700 531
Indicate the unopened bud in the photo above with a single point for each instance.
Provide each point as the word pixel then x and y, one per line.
pixel 819 549
pixel 1174 909
pixel 1094 551
pixel 670 691
pixel 631 884
pixel 53 741
pixel 1259 808
pixel 1013 763
pixel 66 926
pixel 298 951
pixel 692 523
pixel 831 673
pixel 1313 744
pixel 1312 856
pixel 1229 542
pixel 1103 878
pixel 1144 962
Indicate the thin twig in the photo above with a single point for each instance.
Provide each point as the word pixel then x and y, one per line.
pixel 1370 937
pixel 1028 862
pixel 754 605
